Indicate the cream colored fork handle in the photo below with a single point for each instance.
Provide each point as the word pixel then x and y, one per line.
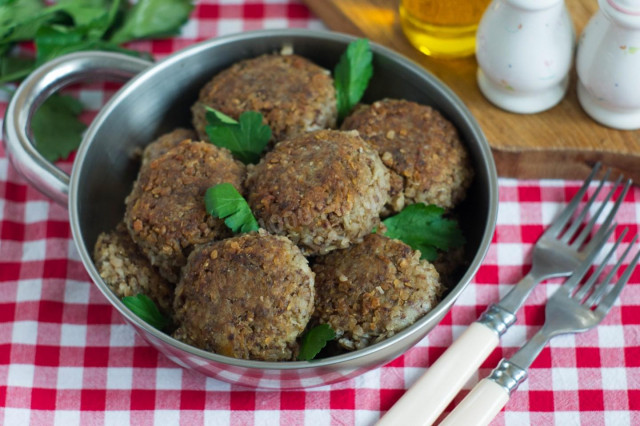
pixel 478 408
pixel 436 388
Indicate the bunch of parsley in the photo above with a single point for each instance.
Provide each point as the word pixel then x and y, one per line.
pixel 70 26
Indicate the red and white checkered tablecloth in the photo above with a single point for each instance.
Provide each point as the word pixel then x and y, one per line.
pixel 66 356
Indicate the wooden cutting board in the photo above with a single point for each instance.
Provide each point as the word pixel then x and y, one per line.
pixel 562 142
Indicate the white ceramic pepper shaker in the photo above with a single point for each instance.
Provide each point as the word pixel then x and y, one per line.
pixel 608 64
pixel 524 50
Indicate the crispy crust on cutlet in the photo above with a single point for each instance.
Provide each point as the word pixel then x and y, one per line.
pixel 127 272
pixel 324 190
pixel 418 145
pixel 248 297
pixel 164 143
pixel 372 290
pixel 165 212
pixel 293 95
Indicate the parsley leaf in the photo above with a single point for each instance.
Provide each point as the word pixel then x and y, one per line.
pixel 56 128
pixel 56 40
pixel 20 19
pixel 225 202
pixel 15 67
pixel 314 340
pixel 153 18
pixel 143 306
pixel 351 75
pixel 217 118
pixel 96 15
pixel 245 138
pixel 423 228
pixel 91 22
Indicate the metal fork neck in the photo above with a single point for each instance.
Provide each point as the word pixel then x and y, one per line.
pixel 513 371
pixel 525 356
pixel 516 297
pixel 499 317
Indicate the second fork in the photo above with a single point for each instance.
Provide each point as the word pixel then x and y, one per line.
pixel 567 311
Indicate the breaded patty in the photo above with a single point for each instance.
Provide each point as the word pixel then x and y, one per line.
pixel 127 272
pixel 165 142
pixel 374 289
pixel 324 190
pixel 165 212
pixel 247 297
pixel 293 95
pixel 418 145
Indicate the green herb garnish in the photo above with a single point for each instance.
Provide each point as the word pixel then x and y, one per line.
pixel 352 74
pixel 423 228
pixel 217 118
pixel 314 340
pixel 55 127
pixel 143 306
pixel 225 202
pixel 70 26
pixel 153 18
pixel 245 138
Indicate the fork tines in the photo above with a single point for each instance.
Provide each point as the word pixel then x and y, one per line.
pixel 571 236
pixel 597 297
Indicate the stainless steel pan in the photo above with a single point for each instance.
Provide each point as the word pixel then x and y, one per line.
pixel 157 99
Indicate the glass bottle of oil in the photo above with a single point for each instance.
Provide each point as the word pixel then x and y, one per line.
pixel 442 28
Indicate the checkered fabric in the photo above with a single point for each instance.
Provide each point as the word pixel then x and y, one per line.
pixel 67 357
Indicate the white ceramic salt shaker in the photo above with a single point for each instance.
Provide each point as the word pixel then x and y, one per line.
pixel 524 50
pixel 608 64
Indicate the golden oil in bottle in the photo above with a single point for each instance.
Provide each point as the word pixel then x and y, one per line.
pixel 442 28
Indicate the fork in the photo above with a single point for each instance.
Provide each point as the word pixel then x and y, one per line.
pixel 566 312
pixel 557 253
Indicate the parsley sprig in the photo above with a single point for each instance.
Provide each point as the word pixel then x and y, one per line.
pixel 314 340
pixel 70 26
pixel 225 202
pixel 55 127
pixel 143 306
pixel 245 138
pixel 351 75
pixel 423 228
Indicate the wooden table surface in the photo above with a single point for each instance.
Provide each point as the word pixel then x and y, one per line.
pixel 562 142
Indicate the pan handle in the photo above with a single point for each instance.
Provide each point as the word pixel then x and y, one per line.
pixel 33 91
